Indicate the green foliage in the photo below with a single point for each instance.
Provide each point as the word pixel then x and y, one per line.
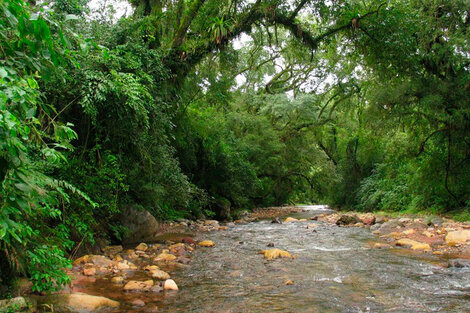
pixel 32 238
pixel 360 104
pixel 46 268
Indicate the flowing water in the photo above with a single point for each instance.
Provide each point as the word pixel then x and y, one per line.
pixel 335 271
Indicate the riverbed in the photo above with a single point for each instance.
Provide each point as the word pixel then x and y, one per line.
pixel 334 270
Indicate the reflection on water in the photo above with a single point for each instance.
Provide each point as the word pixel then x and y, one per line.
pixel 333 272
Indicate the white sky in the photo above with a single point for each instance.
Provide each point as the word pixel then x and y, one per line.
pixel 100 8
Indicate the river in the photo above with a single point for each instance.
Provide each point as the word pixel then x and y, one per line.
pixel 334 271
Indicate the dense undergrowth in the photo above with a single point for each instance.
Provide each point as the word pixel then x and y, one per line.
pixel 359 104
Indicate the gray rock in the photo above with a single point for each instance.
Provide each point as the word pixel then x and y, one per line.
pixel 375 227
pixel 380 219
pixel 390 226
pixel 438 221
pixel 347 220
pixel 142 226
pixel 418 226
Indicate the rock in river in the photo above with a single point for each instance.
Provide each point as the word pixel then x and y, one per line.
pixel 170 284
pixel 98 260
pixel 134 285
pixel 414 245
pixel 368 220
pixel 459 236
pixel 211 223
pixel 290 219
pixel 188 240
pixel 164 257
pixel 77 302
pixel 206 243
pixel 142 247
pixel 347 220
pixel 160 275
pixel 272 254
pixel 117 280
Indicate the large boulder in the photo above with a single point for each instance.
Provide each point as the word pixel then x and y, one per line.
pixel 379 219
pixel 346 219
pixel 437 221
pixel 391 225
pixel 459 236
pixel 368 220
pixel 142 226
pixel 77 303
pixel 221 206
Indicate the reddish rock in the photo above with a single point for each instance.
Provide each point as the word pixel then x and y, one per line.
pixel 188 240
pixel 368 220
pixel 89 271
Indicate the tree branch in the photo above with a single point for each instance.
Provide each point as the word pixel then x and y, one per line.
pixel 183 27
pixel 297 9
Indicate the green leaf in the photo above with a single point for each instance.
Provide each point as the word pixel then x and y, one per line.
pixel 3 73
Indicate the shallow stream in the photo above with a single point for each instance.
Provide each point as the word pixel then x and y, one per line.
pixel 335 271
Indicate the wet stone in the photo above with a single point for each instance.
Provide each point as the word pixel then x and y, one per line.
pixel 134 285
pixel 206 243
pixel 117 280
pixel 170 284
pixel 137 303
pixel 142 247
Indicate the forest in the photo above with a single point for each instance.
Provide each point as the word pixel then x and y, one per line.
pixel 205 108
